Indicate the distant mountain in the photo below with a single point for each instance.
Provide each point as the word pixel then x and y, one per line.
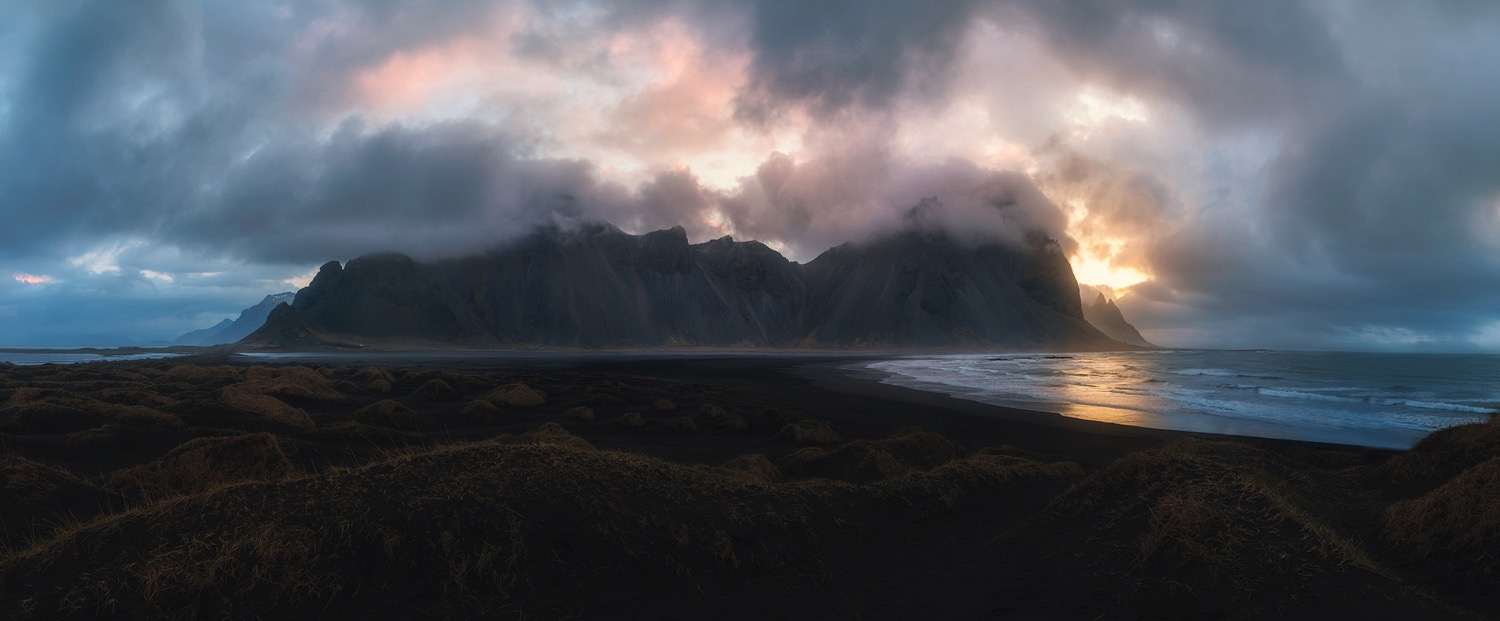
pixel 1105 316
pixel 227 331
pixel 205 336
pixel 597 286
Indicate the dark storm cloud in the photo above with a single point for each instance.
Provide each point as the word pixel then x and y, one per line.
pixel 1231 62
pixel 833 55
pixel 226 129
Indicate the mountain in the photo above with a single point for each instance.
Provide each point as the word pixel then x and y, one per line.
pixel 596 286
pixel 1105 316
pixel 227 331
pixel 204 336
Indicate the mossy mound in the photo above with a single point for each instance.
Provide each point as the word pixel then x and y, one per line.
pixel 44 417
pixel 756 466
pixel 36 500
pixel 269 408
pixel 135 415
pixel 204 463
pixel 810 432
pixel 389 413
pixel 374 374
pixel 550 434
pixel 130 396
pixel 516 396
pixel 1198 527
pixel 722 419
pixel 632 419
pixel 922 450
pixel 1451 535
pixel 855 462
pixel 434 390
pixel 663 405
pixel 1445 453
pixel 464 532
pixel 299 382
pixel 482 411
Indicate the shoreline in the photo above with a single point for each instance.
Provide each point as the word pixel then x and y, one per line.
pixel 762 483
pixel 824 372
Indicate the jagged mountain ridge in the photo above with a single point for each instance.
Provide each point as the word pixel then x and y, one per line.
pixel 1106 316
pixel 227 331
pixel 597 286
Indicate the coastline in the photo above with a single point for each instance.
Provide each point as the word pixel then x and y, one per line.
pixel 734 485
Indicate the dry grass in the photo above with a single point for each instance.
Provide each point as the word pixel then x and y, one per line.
pixel 299 382
pixel 516 396
pixel 756 466
pixel 482 411
pixel 810 432
pixel 1453 530
pixel 36 499
pixel 632 419
pixel 581 412
pixel 205 463
pixel 44 417
pixel 271 409
pixel 549 434
pixel 467 531
pixel 1444 454
pixel 389 413
pixel 1205 521
pixel 99 437
pixel 723 419
pixel 663 405
pixel 434 390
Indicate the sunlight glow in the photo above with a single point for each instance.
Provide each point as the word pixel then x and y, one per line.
pixel 106 258
pixel 1095 262
pixel 1095 108
pixel 1093 271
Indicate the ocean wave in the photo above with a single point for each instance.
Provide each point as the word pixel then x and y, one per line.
pixel 1434 405
pixel 1210 372
pixel 1295 394
pixel 1220 373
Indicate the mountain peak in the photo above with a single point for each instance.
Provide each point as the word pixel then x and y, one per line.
pixel 1106 316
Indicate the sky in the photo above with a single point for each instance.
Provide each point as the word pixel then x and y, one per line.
pixel 1300 175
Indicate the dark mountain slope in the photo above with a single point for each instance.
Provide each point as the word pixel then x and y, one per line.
pixel 1105 316
pixel 925 289
pixel 597 286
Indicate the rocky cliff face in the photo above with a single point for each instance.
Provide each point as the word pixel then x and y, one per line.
pixel 1105 316
pixel 924 289
pixel 597 286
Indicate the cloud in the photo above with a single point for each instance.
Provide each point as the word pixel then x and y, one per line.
pixel 1287 174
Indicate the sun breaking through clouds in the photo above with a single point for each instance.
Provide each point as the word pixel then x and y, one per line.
pixel 1240 174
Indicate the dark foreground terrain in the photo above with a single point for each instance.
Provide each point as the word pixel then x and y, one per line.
pixel 687 488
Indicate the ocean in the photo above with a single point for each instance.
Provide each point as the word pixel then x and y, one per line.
pixel 1362 399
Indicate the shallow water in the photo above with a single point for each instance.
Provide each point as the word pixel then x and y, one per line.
pixel 1379 400
pixel 26 359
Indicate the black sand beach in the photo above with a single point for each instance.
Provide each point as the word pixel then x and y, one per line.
pixel 691 485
